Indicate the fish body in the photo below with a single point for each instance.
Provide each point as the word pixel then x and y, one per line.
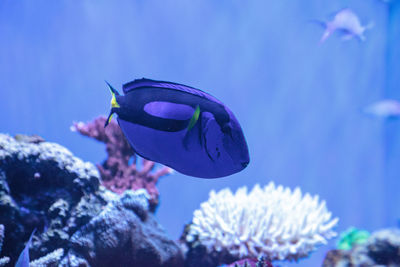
pixel 348 22
pixel 387 108
pixel 181 127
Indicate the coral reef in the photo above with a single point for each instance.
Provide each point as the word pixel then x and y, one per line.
pixel 51 259
pixel 272 221
pixel 34 177
pixel 125 234
pixel 43 186
pixel 244 263
pixel 3 260
pixel 81 223
pixel 351 237
pixel 381 249
pixel 261 262
pixel 117 172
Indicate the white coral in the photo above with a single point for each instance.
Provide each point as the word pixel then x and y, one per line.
pixel 3 260
pixel 272 221
pixel 50 259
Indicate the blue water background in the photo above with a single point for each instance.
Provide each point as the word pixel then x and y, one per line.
pixel 298 102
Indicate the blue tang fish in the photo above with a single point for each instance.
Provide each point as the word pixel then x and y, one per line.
pixel 181 127
pixel 23 259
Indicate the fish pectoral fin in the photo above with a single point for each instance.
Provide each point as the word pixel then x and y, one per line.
pixel 192 136
pixel 194 118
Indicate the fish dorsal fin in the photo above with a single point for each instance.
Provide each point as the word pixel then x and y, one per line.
pixel 146 83
pixel 140 83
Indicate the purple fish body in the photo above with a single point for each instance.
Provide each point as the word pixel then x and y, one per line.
pixel 181 127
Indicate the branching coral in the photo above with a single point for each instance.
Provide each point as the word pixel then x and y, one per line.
pixel 272 221
pixel 51 259
pixel 117 173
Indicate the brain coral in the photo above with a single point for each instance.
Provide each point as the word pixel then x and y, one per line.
pixel 273 221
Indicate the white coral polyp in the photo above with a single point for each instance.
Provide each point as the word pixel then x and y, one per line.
pixel 272 221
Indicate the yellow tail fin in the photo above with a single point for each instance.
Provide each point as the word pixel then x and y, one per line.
pixel 114 103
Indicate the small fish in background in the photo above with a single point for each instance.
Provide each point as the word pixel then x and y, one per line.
pixel 23 259
pixel 181 127
pixel 387 108
pixel 347 22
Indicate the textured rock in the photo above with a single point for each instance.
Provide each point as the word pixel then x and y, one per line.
pixel 198 256
pixel 337 258
pixel 384 247
pixel 381 249
pixel 43 186
pixel 251 262
pixel 50 260
pixel 120 171
pixel 126 234
pixel 3 260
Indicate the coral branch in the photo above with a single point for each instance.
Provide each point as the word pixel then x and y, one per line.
pixel 3 260
pixel 50 259
pixel 1 235
pixel 117 173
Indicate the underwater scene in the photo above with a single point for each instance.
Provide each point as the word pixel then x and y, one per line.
pixel 202 133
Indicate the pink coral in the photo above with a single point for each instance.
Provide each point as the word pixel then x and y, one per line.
pixel 251 262
pixel 117 173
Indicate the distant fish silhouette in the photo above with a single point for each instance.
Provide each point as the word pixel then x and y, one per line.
pixel 181 127
pixel 23 259
pixel 385 108
pixel 347 22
